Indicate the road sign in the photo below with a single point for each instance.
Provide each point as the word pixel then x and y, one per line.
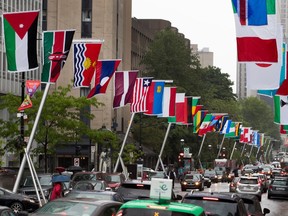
pixel 186 152
pixel 76 161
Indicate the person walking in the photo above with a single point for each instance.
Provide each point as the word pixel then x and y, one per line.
pixel 56 191
pixel 172 175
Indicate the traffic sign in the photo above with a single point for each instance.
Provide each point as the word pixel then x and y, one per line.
pixel 76 161
pixel 186 152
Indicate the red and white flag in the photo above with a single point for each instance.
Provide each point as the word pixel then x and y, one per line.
pixel 168 103
pixel 140 91
pixel 246 135
pixel 123 87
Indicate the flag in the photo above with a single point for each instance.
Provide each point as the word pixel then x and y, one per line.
pixel 266 76
pixel 229 129
pixel 283 129
pixel 56 47
pixel 255 137
pixel 198 118
pixel 221 123
pixel 256 38
pixel 261 139
pixel 155 98
pixel 168 103
pixel 214 122
pixel 32 86
pixel 103 74
pixel 26 104
pixel 281 109
pixel 20 33
pixel 238 130
pixel 204 127
pixel 140 91
pixel 123 87
pixel 245 136
pixel 195 108
pixel 188 117
pixel 179 109
pixel 85 59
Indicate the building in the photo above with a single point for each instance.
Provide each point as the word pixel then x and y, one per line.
pixel 206 58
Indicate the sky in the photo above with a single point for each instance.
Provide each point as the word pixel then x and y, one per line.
pixel 208 23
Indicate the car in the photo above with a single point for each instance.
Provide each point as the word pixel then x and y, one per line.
pixel 154 207
pixel 207 182
pixel 211 174
pixel 263 180
pixel 267 170
pixel 278 188
pixel 86 176
pixel 249 185
pixel 6 211
pixel 99 195
pixel 217 203
pixel 192 181
pixel 17 202
pixel 158 174
pixel 138 189
pixel 233 184
pixel 28 188
pixel 253 205
pixel 87 207
pixel 91 185
pixel 252 167
pixel 114 180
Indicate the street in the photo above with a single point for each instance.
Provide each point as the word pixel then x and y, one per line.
pixel 277 206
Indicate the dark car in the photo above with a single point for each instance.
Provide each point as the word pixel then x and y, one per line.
pixel 253 205
pixel 192 181
pixel 71 207
pixel 217 203
pixel 87 176
pixel 278 188
pixel 97 195
pixel 28 188
pixel 137 189
pixel 17 202
pixel 114 180
pixel 92 185
pixel 211 174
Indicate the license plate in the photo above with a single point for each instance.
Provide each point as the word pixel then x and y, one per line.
pixel 280 189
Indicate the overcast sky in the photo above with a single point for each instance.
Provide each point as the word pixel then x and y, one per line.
pixel 208 23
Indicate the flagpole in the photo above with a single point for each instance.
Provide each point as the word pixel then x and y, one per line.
pixel 201 145
pixel 31 138
pixel 267 150
pixel 257 153
pixel 251 150
pixel 162 148
pixel 233 150
pixel 221 146
pixel 123 144
pixel 243 149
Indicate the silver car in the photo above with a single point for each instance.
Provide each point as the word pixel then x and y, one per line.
pixel 249 185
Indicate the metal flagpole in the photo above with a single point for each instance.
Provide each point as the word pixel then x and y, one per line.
pixel 201 145
pixel 221 146
pixel 123 144
pixel 162 148
pixel 243 149
pixel 31 138
pixel 251 150
pixel 233 150
pixel 267 150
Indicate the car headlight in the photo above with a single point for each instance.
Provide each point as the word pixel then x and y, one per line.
pixel 29 200
pixel 197 183
pixel 184 183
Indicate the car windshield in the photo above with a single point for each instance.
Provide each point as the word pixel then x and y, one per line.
pixel 144 212
pixel 215 207
pixel 113 178
pixel 67 208
pixel 280 182
pixel 195 177
pixel 44 181
pixel 85 177
pixel 210 172
pixel 89 186
pixel 134 191
pixel 248 181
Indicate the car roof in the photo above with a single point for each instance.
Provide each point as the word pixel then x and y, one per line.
pixel 249 177
pixel 85 200
pixel 154 204
pixel 94 192
pixel 222 196
pixel 134 181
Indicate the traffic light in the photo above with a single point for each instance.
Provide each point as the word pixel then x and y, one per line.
pixel 77 150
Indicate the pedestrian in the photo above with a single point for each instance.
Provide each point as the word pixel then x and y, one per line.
pixel 172 175
pixel 236 172
pixel 56 191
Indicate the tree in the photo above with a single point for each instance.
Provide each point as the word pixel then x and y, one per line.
pixel 61 120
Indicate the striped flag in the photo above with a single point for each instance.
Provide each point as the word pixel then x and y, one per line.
pixel 198 118
pixel 20 33
pixel 56 47
pixel 140 91
pixel 179 109
pixel 168 103
pixel 85 59
pixel 123 87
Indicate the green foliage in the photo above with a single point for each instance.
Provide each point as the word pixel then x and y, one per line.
pixel 131 154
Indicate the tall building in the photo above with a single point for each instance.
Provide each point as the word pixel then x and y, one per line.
pixel 206 58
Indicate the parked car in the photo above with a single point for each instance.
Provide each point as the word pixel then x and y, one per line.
pixel 92 185
pixel 153 207
pixel 278 187
pixel 114 180
pixel 28 188
pixel 17 202
pixel 217 203
pixel 249 185
pixel 97 195
pixel 87 176
pixel 87 207
pixel 192 181
pixel 211 174
pixel 233 184
pixel 137 189
pixel 253 205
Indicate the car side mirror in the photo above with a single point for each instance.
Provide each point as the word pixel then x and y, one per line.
pixel 266 211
